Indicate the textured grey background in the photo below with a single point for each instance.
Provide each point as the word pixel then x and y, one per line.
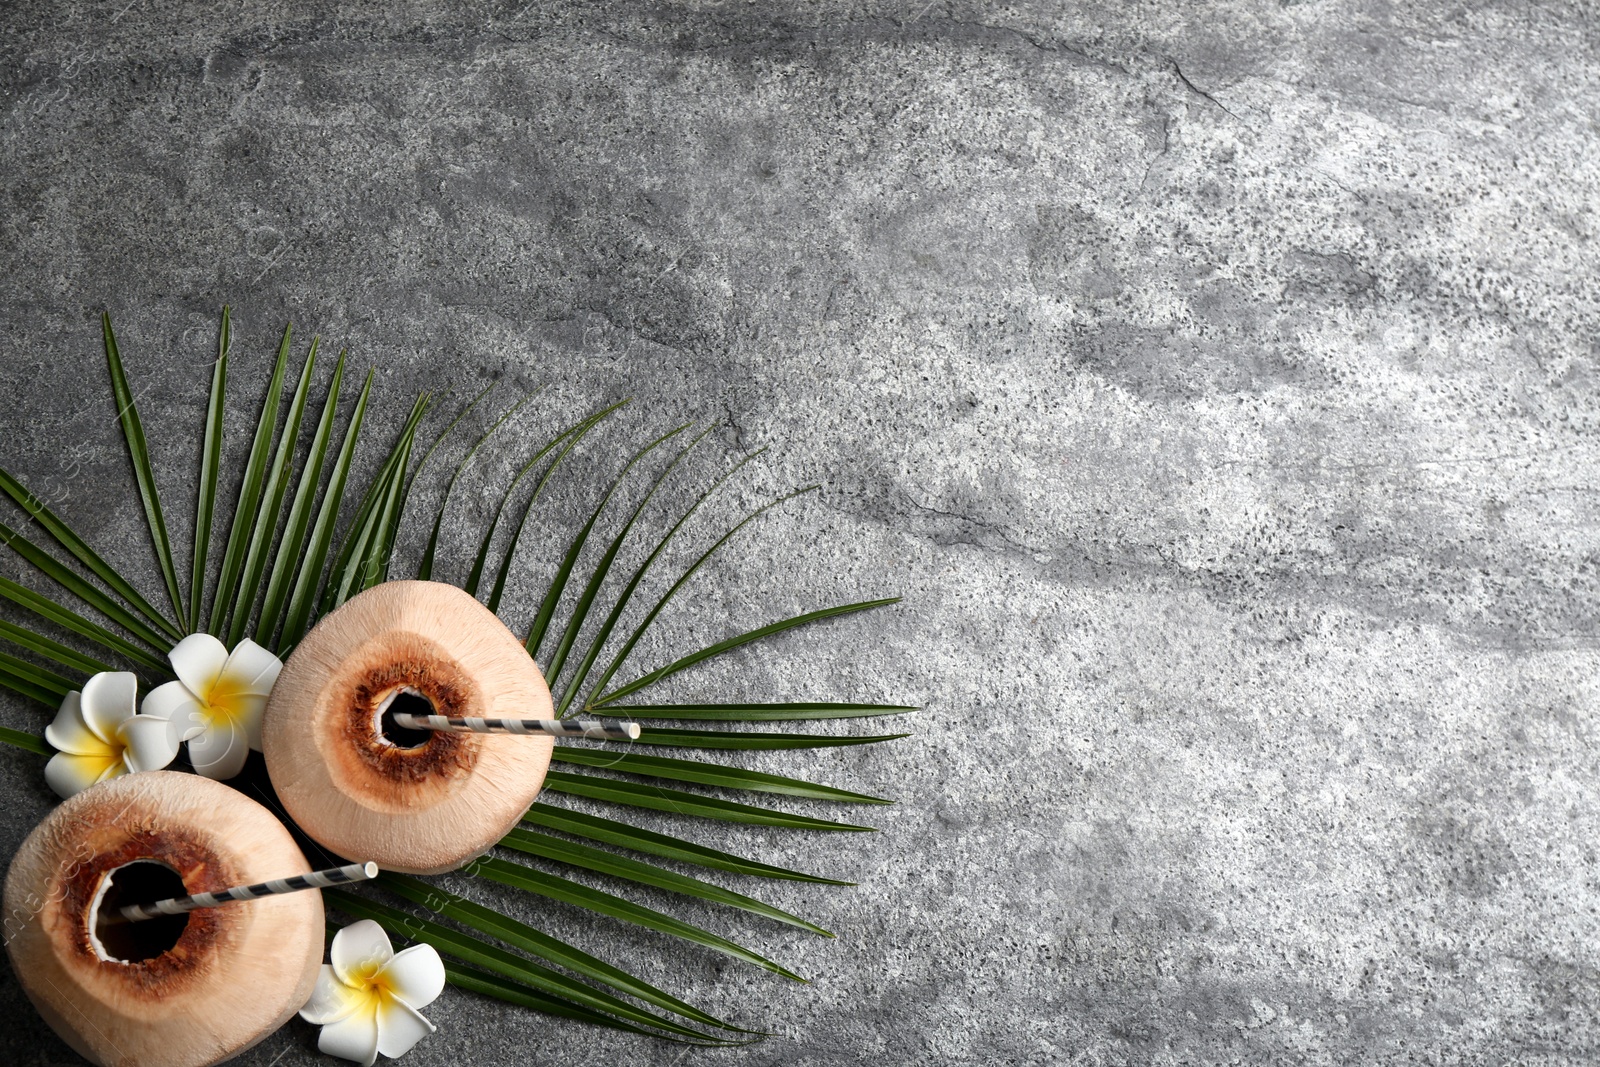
pixel 1216 381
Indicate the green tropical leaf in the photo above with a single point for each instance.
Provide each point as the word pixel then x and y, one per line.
pixel 449 428
pixel 779 712
pixel 79 549
pixel 425 568
pixel 80 587
pixel 603 862
pixel 702 773
pixel 26 742
pixel 521 935
pixel 307 582
pixel 210 464
pixel 565 570
pixel 558 584
pixel 685 662
pixel 45 679
pixel 264 523
pixel 621 834
pixel 46 608
pixel 357 560
pixel 291 545
pixel 603 634
pixel 680 802
pixel 66 657
pixel 469 949
pixel 582 896
pixel 475 981
pixel 250 490
pixel 683 579
pixel 144 475
pixel 727 739
pixel 578 432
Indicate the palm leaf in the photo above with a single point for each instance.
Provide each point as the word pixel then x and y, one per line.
pixel 603 862
pixel 702 773
pixel 26 742
pixel 46 608
pixel 475 981
pixel 425 568
pixel 521 935
pixel 79 549
pixel 683 579
pixel 558 584
pixel 265 521
pixel 138 451
pixel 603 634
pixel 66 657
pixel 250 489
pixel 779 712
pixel 45 679
pixel 582 896
pixel 475 575
pixel 79 587
pixel 680 802
pixel 727 739
pixel 364 542
pixel 470 949
pixel 210 464
pixel 578 434
pixel 685 662
pixel 621 834
pixel 296 529
pixel 306 582
pixel 580 611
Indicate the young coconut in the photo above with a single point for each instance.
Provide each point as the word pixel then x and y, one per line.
pixel 417 801
pixel 179 991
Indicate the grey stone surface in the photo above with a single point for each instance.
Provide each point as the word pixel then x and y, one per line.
pixel 1216 382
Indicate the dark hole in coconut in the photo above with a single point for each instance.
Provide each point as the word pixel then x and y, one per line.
pixel 140 882
pixel 406 702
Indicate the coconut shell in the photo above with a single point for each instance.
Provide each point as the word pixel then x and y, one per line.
pixel 235 974
pixel 424 809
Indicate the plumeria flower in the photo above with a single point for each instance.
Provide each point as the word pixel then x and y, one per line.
pixel 101 736
pixel 366 1001
pixel 217 701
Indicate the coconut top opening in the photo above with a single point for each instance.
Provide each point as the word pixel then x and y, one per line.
pixel 407 701
pixel 145 881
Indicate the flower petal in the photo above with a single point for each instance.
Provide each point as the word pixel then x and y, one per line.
pixel 361 946
pixel 400 1026
pixel 248 712
pixel 354 1037
pixel 416 975
pixel 331 1000
pixel 109 698
pixel 68 773
pixel 69 732
pixel 197 660
pixel 174 702
pixel 220 751
pixel 151 743
pixel 251 668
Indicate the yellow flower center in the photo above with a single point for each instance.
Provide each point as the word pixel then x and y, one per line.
pixel 372 983
pixel 221 702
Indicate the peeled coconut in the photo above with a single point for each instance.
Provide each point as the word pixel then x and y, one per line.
pixel 177 991
pixel 417 801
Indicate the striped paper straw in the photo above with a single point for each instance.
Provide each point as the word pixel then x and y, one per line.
pixel 355 872
pixel 595 729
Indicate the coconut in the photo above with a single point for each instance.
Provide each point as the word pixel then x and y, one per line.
pixel 178 991
pixel 417 801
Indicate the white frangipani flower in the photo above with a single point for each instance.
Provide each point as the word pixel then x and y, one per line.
pixel 100 735
pixel 366 1001
pixel 217 701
